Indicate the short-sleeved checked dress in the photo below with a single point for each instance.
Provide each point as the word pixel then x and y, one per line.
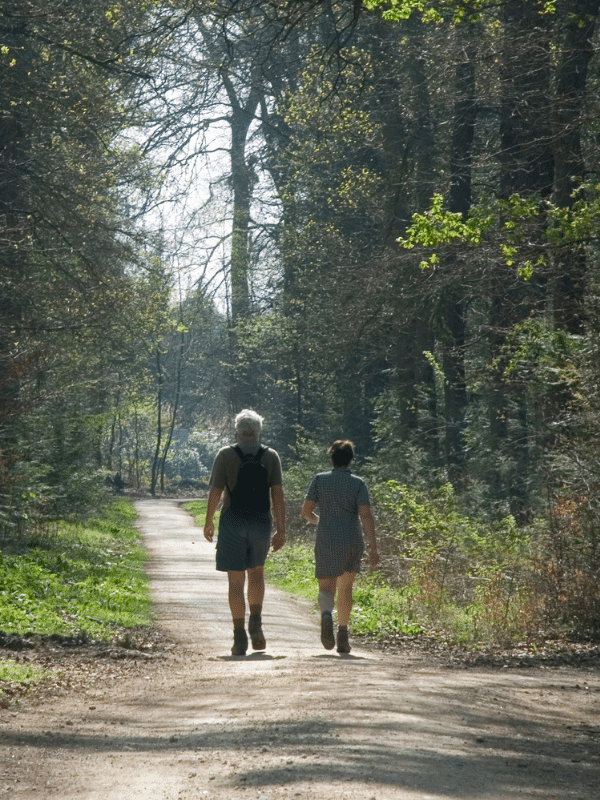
pixel 339 544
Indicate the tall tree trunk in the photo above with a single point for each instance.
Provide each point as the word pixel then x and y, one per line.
pixel 454 309
pixel 14 137
pixel 424 140
pixel 415 381
pixel 175 409
pixel 243 390
pixel 156 459
pixel 577 50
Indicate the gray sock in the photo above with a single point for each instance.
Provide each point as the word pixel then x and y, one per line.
pixel 326 602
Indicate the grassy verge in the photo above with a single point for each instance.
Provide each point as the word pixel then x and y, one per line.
pixel 293 570
pixel 197 508
pixel 83 580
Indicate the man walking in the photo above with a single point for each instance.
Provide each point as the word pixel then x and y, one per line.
pixel 250 478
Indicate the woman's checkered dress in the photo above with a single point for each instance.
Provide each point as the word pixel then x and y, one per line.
pixel 339 545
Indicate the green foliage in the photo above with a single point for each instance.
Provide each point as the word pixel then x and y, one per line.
pixel 395 10
pixel 434 519
pixel 197 508
pixel 436 226
pixel 479 581
pixel 503 222
pixel 399 455
pixel 24 674
pixel 76 579
pixel 380 609
pixel 77 322
pixel 293 570
pixel 438 11
pixel 311 457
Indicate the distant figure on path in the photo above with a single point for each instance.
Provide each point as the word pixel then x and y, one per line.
pixel 345 514
pixel 249 475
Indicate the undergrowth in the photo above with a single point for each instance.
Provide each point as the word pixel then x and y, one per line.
pixel 24 674
pixel 484 582
pixel 76 579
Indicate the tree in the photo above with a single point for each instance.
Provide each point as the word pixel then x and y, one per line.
pixel 66 241
pixel 577 24
pixel 531 118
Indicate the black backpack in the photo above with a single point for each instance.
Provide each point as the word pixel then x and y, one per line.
pixel 251 493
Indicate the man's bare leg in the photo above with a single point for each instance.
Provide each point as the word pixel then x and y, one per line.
pixel 237 606
pixel 256 594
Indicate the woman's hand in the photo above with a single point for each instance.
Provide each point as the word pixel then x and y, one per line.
pixel 308 512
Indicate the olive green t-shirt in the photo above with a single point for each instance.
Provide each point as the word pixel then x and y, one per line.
pixel 227 462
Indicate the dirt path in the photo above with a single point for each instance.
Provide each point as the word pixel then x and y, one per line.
pixel 297 721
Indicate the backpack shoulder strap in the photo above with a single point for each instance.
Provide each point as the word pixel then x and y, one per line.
pixel 249 457
pixel 239 452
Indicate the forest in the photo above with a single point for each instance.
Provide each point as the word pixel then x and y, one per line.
pixel 369 219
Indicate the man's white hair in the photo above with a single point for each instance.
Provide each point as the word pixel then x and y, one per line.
pixel 249 423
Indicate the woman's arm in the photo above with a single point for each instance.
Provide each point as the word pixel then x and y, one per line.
pixel 308 512
pixel 368 526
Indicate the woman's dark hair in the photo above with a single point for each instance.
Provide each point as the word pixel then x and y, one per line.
pixel 341 453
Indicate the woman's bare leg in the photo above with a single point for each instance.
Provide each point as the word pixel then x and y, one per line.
pixel 345 584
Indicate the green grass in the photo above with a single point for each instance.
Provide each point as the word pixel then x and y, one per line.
pixel 380 609
pixel 80 579
pixel 197 508
pixel 25 674
pixel 293 570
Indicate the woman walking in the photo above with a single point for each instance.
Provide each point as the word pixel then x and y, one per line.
pixel 344 516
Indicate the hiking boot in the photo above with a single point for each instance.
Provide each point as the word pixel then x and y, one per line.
pixel 240 642
pixel 327 637
pixel 255 631
pixel 343 646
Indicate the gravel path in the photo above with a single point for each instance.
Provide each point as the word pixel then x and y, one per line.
pixel 296 721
